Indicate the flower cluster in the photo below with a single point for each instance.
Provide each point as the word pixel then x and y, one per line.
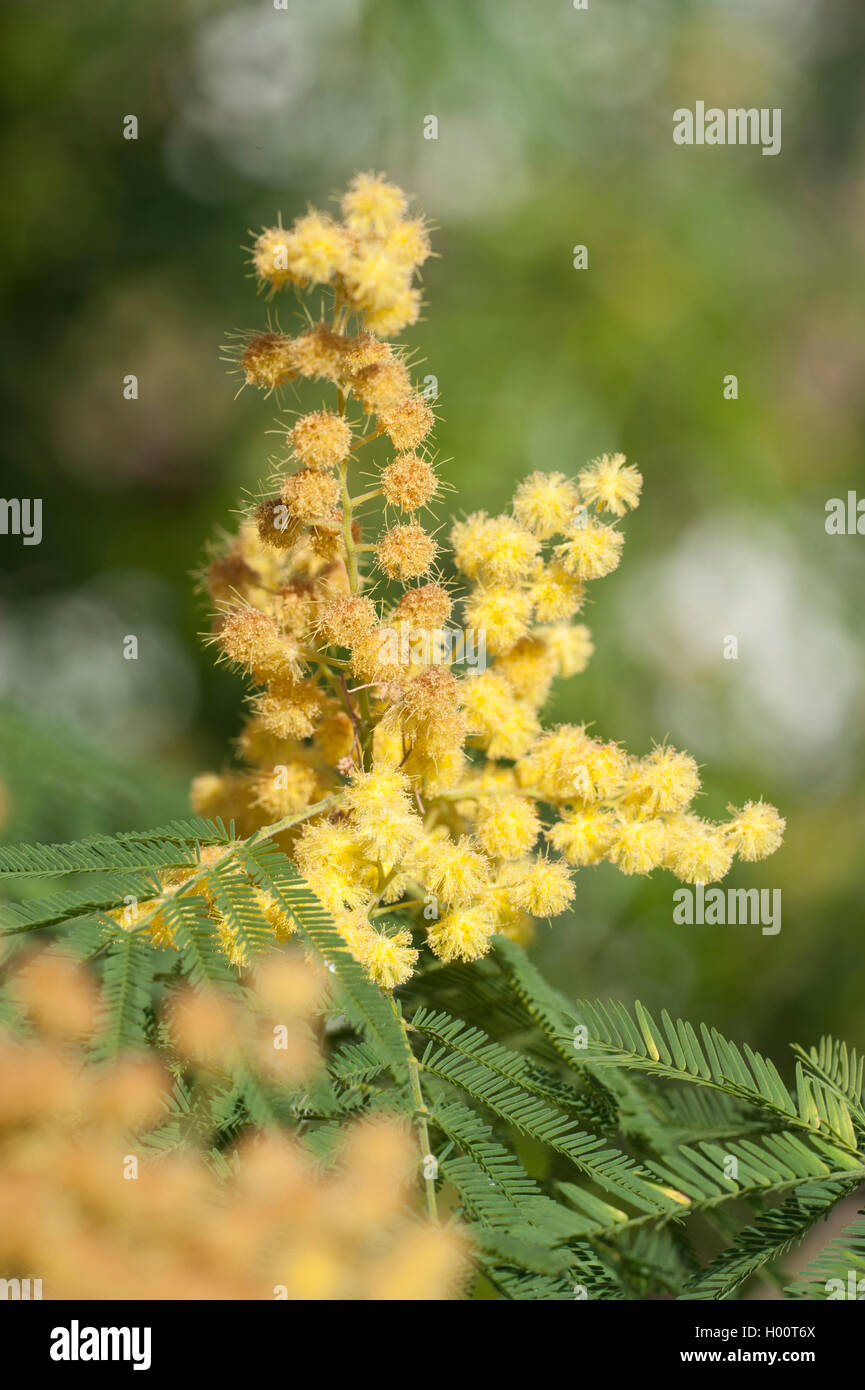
pixel 139 1223
pixel 369 257
pixel 419 796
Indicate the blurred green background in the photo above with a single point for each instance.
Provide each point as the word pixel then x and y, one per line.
pixel 555 129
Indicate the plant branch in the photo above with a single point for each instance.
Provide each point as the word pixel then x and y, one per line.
pixel 421 1113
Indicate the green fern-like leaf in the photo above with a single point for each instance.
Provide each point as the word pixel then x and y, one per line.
pixel 463 1060
pixel 356 1064
pixel 53 909
pixel 492 1184
pixel 839 1067
pixel 771 1237
pixel 127 980
pixel 98 853
pixel 839 1270
pixel 194 831
pixel 673 1050
pixel 234 898
pixel 363 1003
pixel 202 959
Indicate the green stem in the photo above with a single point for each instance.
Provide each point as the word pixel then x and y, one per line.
pixel 347 538
pixel 421 1113
pixel 324 661
pixel 398 907
pixel 367 439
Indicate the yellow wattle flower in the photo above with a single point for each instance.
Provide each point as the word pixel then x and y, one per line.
pixel 410 704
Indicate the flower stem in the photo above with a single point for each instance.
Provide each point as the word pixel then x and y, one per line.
pixel 367 439
pixel 351 551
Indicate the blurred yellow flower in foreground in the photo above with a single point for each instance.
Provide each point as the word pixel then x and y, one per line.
pixel 90 1206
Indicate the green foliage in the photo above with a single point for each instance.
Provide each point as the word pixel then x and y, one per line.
pixel 842 1255
pixel 770 1237
pixel 53 909
pixel 363 1004
pixel 127 981
pixel 591 1150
